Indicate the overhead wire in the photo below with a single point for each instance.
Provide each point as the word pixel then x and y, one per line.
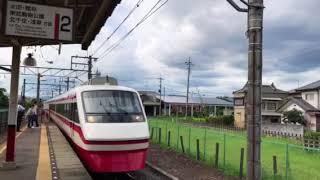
pixel 118 27
pixel 153 10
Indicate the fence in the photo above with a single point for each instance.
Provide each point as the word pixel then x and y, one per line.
pixel 312 142
pixel 282 134
pixel 3 120
pixel 285 130
pixel 225 150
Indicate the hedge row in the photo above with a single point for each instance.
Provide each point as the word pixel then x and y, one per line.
pixel 312 135
pixel 222 120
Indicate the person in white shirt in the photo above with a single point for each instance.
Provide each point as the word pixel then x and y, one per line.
pixel 35 115
pixel 21 110
pixel 29 116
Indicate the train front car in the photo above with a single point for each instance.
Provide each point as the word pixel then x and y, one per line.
pixel 114 134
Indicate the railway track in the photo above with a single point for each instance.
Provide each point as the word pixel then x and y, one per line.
pixel 146 174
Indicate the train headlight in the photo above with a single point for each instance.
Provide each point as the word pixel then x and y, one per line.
pixel 137 118
pixel 91 119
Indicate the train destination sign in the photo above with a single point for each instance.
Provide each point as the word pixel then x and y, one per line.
pixel 39 21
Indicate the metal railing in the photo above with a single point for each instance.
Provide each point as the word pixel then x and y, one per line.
pixel 3 120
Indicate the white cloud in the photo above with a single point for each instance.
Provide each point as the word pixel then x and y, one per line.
pixel 212 33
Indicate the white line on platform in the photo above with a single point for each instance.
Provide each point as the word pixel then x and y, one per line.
pixel 5 146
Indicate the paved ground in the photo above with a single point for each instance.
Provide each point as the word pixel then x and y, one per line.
pixel 182 167
pixel 27 149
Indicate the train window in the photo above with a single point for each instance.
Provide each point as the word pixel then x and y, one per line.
pixel 68 111
pixel 52 107
pixel 75 117
pixel 112 106
pixel 60 109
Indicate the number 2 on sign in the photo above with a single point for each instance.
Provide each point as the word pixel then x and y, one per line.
pixel 65 23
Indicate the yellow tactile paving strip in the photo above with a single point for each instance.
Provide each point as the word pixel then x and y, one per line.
pixel 44 166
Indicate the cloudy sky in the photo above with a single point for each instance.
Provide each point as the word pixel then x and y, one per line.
pixel 212 33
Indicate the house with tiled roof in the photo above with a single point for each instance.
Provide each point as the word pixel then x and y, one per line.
pixel 310 113
pixel 271 100
pixel 276 101
pixel 311 93
pixel 307 100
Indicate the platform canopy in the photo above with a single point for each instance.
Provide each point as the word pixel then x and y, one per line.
pixel 88 17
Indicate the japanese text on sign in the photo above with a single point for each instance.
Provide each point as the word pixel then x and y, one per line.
pixel 39 21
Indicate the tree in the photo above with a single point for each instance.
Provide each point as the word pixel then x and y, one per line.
pixel 294 116
pixel 4 100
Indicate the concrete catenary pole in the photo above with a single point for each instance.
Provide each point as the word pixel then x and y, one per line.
pixel 160 91
pixel 38 88
pixel 90 68
pixel 253 107
pixel 255 28
pixel 188 63
pixel 59 88
pixel 24 92
pixel 13 104
pixel 68 81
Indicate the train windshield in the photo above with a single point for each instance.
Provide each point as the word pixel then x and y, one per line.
pixel 112 106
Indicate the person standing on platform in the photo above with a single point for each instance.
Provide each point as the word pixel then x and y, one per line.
pixel 35 115
pixel 29 116
pixel 21 110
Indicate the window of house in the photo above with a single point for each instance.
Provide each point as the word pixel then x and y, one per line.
pixel 263 106
pixel 309 97
pixel 238 102
pixel 271 106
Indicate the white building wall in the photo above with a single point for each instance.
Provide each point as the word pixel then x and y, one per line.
pixel 311 122
pixel 315 102
pixel 294 106
pixel 319 99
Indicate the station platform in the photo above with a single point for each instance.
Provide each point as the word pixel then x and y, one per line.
pixel 43 154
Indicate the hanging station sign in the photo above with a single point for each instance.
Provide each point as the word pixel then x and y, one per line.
pixel 39 21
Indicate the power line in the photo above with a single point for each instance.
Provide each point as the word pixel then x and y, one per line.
pixel 116 29
pixel 149 14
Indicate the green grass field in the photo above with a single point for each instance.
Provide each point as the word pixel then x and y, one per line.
pixel 293 161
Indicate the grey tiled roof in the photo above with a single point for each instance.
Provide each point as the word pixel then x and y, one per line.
pixel 300 102
pixel 311 86
pixel 196 100
pixel 149 93
pixel 269 89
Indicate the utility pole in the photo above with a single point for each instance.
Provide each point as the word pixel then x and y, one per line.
pixel 160 91
pixel 68 81
pixel 189 64
pixel 164 98
pixel 90 68
pixel 253 108
pixel 38 88
pixel 23 95
pixel 164 93
pixel 89 63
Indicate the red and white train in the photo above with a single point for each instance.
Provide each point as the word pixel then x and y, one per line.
pixel 106 125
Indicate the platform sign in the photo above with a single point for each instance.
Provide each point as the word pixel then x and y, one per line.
pixel 39 21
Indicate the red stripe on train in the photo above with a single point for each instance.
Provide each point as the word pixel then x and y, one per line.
pixel 78 130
